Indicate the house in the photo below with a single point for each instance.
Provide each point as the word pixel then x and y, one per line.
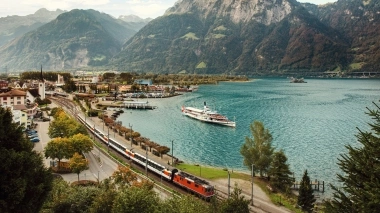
pixel 13 97
pixel 32 95
pixel 19 117
pixel 145 82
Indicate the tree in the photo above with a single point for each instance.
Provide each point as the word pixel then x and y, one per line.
pixel 124 176
pixel 58 148
pixel 257 151
pixel 136 199
pixel 279 172
pixel 65 126
pixel 236 203
pixel 78 164
pixel 360 191
pixel 305 196
pixel 24 180
pixel 81 143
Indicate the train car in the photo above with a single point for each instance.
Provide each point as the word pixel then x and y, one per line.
pixel 185 180
pixel 191 183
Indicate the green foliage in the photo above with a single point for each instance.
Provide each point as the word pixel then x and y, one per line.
pixel 24 180
pixel 81 143
pixel 257 151
pixel 185 204
pixel 236 203
pixel 279 172
pixel 360 191
pixel 305 196
pixel 58 148
pixel 65 126
pixel 135 199
pixel 78 164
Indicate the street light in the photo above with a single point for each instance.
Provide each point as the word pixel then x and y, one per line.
pixel 252 185
pixel 228 184
pixel 146 162
pixel 130 135
pixel 172 152
pixel 108 147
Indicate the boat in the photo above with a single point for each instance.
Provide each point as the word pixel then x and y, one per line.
pixel 297 80
pixel 206 115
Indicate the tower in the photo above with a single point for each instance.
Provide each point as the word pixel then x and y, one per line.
pixel 41 86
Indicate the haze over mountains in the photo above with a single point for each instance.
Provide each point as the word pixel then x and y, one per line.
pixel 257 37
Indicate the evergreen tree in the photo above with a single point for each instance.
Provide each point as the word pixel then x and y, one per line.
pixel 279 172
pixel 306 197
pixel 236 203
pixel 360 191
pixel 24 180
pixel 257 151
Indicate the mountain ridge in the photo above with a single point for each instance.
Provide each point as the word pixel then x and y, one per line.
pixel 259 37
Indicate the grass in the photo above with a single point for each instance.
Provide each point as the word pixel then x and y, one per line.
pixel 201 65
pixel 356 66
pixel 218 35
pixel 210 172
pixel 280 199
pixel 220 28
pixel 190 36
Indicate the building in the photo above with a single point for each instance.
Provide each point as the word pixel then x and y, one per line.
pixel 32 95
pixel 13 97
pixel 145 82
pixel 19 117
pixel 41 86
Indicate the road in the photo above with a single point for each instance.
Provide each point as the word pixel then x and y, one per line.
pixel 100 165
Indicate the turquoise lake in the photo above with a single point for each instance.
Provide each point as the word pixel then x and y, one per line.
pixel 311 122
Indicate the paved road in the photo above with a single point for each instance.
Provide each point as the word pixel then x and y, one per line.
pixel 105 167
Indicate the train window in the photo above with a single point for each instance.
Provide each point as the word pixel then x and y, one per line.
pixel 196 185
pixel 188 182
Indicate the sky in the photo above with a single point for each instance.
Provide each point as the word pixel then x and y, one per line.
pixel 141 8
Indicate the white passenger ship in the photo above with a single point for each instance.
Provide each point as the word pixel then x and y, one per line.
pixel 207 115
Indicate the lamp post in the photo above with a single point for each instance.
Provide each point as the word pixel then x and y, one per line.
pixel 228 184
pixel 103 119
pixel 172 152
pixel 130 135
pixel 146 162
pixel 252 186
pixel 108 147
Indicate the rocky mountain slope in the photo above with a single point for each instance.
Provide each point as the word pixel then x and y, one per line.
pixel 75 39
pixel 256 37
pixel 16 26
pixel 235 37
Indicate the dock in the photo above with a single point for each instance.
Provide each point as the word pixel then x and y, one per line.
pixel 137 105
pixel 316 185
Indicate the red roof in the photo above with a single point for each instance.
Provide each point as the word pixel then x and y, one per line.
pixel 13 93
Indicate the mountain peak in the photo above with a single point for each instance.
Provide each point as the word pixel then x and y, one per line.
pixel 262 11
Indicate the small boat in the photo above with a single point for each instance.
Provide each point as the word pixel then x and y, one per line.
pixel 207 115
pixel 297 80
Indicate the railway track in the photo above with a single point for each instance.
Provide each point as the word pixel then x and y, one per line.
pixel 158 181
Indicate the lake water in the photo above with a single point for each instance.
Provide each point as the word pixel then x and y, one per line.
pixel 311 122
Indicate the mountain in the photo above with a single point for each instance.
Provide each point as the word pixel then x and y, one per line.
pixel 134 22
pixel 359 24
pixel 15 26
pixel 258 37
pixel 75 39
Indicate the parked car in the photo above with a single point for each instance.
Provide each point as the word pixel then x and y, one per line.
pixel 45 119
pixel 31 131
pixel 35 140
pixel 33 136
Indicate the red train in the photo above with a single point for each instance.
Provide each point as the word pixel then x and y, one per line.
pixel 185 180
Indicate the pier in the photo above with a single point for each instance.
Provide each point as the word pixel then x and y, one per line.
pixel 137 105
pixel 316 185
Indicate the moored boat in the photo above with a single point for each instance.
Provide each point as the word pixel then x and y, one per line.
pixel 207 115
